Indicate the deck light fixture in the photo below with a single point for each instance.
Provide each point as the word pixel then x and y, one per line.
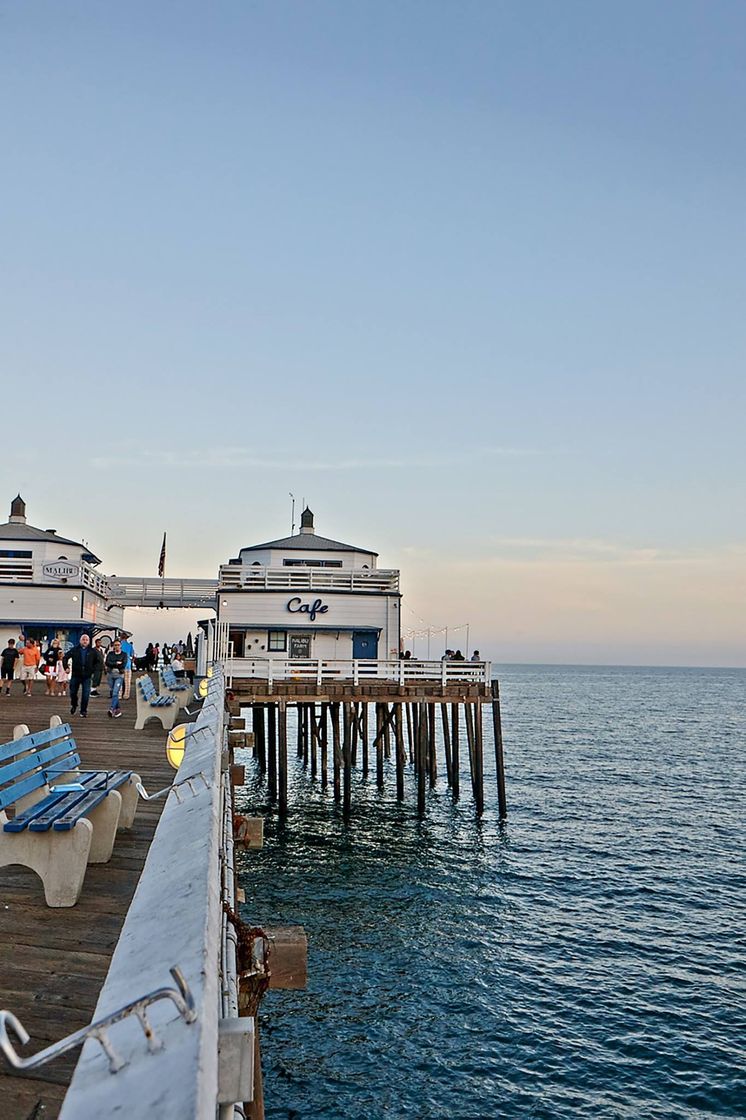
pixel 176 745
pixel 203 687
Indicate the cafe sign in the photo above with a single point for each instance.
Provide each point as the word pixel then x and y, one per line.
pixel 297 606
pixel 61 570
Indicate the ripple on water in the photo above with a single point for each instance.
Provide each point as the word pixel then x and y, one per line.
pixel 584 961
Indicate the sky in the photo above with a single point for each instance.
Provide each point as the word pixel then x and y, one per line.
pixel 466 277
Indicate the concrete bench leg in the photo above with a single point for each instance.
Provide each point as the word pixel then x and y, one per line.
pixel 104 818
pixel 130 797
pixel 168 716
pixel 58 858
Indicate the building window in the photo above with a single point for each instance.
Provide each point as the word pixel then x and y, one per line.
pixel 16 564
pixel 294 563
pixel 278 640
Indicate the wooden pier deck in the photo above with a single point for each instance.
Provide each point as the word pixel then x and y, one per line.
pixel 53 962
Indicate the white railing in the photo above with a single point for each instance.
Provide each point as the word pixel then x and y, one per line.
pixel 403 672
pixel 94 580
pixel 250 578
pixel 175 918
pixel 138 591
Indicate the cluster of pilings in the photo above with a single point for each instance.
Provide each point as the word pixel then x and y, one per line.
pixel 339 735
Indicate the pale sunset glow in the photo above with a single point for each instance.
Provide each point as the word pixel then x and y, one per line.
pixel 467 278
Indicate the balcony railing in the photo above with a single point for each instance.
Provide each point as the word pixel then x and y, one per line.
pixel 250 578
pixel 89 577
pixel 274 669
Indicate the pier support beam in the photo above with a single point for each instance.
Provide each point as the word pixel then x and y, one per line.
pixel 499 755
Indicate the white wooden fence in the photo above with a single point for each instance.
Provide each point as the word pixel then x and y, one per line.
pixel 308 579
pixel 402 672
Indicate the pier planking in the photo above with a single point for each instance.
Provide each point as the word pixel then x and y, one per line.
pixel 54 961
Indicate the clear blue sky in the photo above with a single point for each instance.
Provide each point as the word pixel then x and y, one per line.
pixel 466 276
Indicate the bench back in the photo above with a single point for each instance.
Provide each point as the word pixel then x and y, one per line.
pixel 168 675
pixel 29 763
pixel 147 687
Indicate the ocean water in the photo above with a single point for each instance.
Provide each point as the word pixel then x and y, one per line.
pixel 585 959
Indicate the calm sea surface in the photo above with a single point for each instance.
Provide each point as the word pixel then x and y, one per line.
pixel 585 960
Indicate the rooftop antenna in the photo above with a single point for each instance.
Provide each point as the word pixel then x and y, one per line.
pixel 292 515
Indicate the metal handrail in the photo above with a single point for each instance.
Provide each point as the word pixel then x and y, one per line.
pixel 174 787
pixel 180 996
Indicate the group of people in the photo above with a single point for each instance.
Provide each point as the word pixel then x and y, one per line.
pixel 449 655
pixel 156 656
pixel 78 670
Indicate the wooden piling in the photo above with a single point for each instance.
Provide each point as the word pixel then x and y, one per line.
pixel 260 742
pixel 420 749
pixel 314 740
pixel 355 713
pixel 432 752
pixel 336 752
pixel 364 738
pixel 455 752
pixel 446 728
pixel 323 749
pixel 380 708
pixel 272 751
pixel 400 759
pixel 347 762
pixel 282 734
pixel 499 755
pixel 479 756
pixel 409 708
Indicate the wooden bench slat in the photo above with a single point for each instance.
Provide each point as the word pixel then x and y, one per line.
pixel 34 740
pixel 32 761
pixel 104 779
pixel 28 816
pixel 21 789
pixel 82 808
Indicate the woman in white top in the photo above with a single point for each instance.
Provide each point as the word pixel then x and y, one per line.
pixel 61 674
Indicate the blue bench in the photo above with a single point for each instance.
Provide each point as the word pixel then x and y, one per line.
pixel 153 704
pixel 170 685
pixel 55 817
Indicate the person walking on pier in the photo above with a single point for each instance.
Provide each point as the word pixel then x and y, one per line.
pixel 116 659
pixel 98 666
pixel 81 663
pixel 31 656
pixel 8 659
pixel 129 650
pixel 59 674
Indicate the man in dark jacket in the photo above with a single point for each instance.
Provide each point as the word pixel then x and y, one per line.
pixel 82 663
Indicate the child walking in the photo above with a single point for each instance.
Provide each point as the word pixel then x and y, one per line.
pixel 60 673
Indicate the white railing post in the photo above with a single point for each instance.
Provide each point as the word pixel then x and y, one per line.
pixel 318 673
pixel 355 672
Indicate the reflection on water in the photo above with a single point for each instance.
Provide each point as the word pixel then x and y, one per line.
pixel 584 960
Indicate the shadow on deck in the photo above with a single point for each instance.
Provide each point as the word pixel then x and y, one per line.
pixel 53 962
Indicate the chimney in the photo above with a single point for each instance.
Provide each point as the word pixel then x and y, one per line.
pixel 306 521
pixel 17 511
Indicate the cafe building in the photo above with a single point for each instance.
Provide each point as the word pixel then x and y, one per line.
pixel 49 585
pixel 307 596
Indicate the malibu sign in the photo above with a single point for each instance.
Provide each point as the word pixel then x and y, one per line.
pixel 61 570
pixel 297 606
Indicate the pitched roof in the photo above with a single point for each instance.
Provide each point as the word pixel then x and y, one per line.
pixel 16 531
pixel 309 542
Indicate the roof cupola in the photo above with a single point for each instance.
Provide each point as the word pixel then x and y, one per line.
pixel 306 521
pixel 17 511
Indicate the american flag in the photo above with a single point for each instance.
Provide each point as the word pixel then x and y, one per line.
pixel 162 561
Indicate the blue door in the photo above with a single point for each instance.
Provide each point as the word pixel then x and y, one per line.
pixel 364 643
